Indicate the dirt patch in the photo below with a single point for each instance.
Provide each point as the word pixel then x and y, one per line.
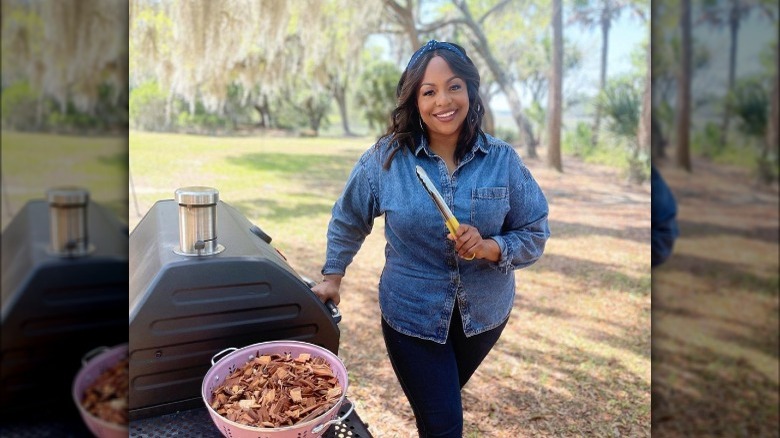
pixel 715 308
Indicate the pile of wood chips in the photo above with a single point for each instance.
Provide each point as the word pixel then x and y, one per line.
pixel 107 397
pixel 277 390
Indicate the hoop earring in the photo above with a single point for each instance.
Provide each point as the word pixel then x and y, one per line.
pixel 421 125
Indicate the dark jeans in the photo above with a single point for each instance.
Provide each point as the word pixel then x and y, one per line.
pixel 432 374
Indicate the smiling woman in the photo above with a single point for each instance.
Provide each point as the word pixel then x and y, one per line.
pixel 445 295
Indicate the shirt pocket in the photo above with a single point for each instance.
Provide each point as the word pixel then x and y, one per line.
pixel 489 206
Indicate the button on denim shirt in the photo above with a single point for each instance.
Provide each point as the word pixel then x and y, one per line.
pixel 423 277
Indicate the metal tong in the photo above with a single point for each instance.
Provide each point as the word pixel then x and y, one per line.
pixel 449 218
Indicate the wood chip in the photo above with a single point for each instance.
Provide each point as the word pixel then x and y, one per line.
pixel 107 397
pixel 277 390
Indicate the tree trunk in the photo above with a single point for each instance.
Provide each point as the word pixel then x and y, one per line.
pixel 524 128
pixel 259 109
pixel 605 24
pixel 262 109
pixel 513 98
pixel 554 109
pixel 340 94
pixel 268 120
pixel 733 34
pixel 39 107
pixel 767 166
pixel 169 109
pixel 657 140
pixel 641 154
pixel 314 117
pixel 488 120
pixel 404 16
pixel 774 115
pixel 644 129
pixel 683 116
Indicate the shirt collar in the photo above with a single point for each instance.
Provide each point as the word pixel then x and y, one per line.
pixel 480 145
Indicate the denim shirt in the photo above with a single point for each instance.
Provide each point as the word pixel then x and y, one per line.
pixel 423 277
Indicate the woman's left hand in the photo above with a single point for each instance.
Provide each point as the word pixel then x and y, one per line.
pixel 470 245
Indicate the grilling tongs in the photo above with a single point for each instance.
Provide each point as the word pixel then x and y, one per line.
pixel 449 218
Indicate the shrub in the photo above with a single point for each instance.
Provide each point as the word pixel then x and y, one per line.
pixel 578 141
pixel 147 107
pixel 376 94
pixel 19 106
pixel 706 141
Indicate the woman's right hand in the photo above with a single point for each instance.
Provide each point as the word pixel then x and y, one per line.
pixel 328 288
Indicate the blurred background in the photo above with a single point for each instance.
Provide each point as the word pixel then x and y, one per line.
pixel 64 101
pixel 64 205
pixel 714 141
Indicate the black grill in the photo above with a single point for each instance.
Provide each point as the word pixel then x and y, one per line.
pixel 56 308
pixel 185 309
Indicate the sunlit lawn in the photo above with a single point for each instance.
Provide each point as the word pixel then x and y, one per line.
pixel 285 185
pixel 32 163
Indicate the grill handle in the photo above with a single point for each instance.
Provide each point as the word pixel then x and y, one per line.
pixel 335 313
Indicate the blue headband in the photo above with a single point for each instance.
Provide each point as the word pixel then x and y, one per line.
pixel 434 45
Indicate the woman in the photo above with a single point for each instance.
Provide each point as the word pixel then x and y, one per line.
pixel 444 298
pixel 663 219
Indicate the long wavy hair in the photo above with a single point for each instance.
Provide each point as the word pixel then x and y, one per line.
pixel 405 129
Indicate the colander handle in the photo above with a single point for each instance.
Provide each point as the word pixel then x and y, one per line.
pixel 214 358
pixel 92 353
pixel 322 426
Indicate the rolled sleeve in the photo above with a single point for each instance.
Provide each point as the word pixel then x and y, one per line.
pixel 504 264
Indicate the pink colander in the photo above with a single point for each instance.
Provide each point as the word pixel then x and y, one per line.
pixel 95 363
pixel 222 368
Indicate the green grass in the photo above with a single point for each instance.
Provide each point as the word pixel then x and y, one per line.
pixel 285 185
pixel 33 162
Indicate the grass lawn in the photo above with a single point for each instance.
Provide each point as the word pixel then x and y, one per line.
pixel 287 186
pixel 32 163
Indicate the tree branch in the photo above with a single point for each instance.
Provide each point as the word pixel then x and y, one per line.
pixel 492 10
pixel 439 24
pixel 394 6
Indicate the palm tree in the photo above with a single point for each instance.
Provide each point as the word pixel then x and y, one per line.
pixel 620 103
pixel 750 103
pixel 556 89
pixel 602 13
